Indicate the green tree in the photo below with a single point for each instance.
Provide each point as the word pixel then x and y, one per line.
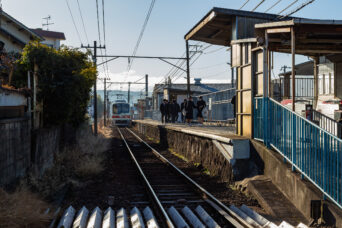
pixel 65 78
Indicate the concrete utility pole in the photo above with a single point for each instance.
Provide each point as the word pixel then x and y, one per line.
pixel 95 92
pixel 187 67
pixel 146 84
pixel 104 103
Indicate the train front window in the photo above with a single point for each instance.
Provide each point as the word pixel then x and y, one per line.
pixel 120 108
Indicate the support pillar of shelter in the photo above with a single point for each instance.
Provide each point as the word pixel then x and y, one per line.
pixel 242 61
pixel 315 101
pixel 293 53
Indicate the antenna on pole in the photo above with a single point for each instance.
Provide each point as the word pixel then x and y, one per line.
pixel 48 18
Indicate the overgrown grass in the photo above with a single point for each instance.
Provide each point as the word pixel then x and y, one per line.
pixel 22 209
pixel 75 164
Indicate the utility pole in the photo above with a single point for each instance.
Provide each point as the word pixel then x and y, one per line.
pixel 146 84
pixel 104 103
pixel 129 92
pixel 187 67
pixel 95 92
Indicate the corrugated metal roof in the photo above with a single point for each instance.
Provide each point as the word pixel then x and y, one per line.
pixel 217 26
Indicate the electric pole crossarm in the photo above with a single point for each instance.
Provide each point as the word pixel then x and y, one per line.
pixel 172 64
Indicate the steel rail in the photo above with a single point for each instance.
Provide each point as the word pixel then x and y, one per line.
pixel 152 192
pixel 235 219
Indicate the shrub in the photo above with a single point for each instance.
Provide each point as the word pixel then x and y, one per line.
pixel 65 79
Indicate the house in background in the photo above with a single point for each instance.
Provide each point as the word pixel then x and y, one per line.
pixel 13 102
pixel 51 38
pixel 14 35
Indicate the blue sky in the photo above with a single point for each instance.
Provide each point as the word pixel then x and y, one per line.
pixel 164 35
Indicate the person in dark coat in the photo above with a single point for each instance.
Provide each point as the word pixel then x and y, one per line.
pixel 174 111
pixel 200 106
pixel 168 111
pixel 162 109
pixel 233 103
pixel 189 108
pixel 182 109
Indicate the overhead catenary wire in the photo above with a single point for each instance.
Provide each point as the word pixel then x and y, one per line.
pixel 99 34
pixel 259 4
pixel 274 5
pixel 141 34
pixel 287 7
pixel 73 21
pixel 84 29
pixel 104 34
pixel 299 8
pixel 244 4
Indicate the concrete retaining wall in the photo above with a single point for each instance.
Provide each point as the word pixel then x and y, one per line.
pixel 198 149
pixel 300 192
pixel 22 150
pixel 45 145
pixel 15 148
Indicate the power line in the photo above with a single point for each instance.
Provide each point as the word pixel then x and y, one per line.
pixel 294 2
pixel 274 5
pixel 104 34
pixel 299 8
pixel 244 4
pixel 141 33
pixel 73 21
pixel 213 51
pixel 262 1
pixel 98 21
pixel 84 30
pixel 211 66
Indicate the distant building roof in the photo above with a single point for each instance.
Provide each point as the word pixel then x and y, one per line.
pixel 49 34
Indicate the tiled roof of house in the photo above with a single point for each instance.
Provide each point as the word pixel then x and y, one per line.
pixel 49 34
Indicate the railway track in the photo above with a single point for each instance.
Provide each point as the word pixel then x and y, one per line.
pixel 177 200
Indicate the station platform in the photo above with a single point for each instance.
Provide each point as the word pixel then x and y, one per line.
pixel 220 133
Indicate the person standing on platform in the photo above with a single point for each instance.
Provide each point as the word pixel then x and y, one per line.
pixel 200 106
pixel 183 112
pixel 174 111
pixel 168 111
pixel 162 109
pixel 189 108
pixel 233 101
pixel 178 110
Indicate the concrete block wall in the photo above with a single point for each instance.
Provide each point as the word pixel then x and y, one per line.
pixel 45 145
pixel 23 150
pixel 15 149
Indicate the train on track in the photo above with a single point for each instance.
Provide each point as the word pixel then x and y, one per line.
pixel 121 115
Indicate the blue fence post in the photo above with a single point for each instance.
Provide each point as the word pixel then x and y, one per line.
pixel 325 152
pixel 294 144
pixel 266 123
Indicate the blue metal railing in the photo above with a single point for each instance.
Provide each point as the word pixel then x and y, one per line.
pixel 222 109
pixel 311 150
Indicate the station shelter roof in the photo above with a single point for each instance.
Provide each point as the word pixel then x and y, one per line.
pixel 220 26
pixel 312 37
